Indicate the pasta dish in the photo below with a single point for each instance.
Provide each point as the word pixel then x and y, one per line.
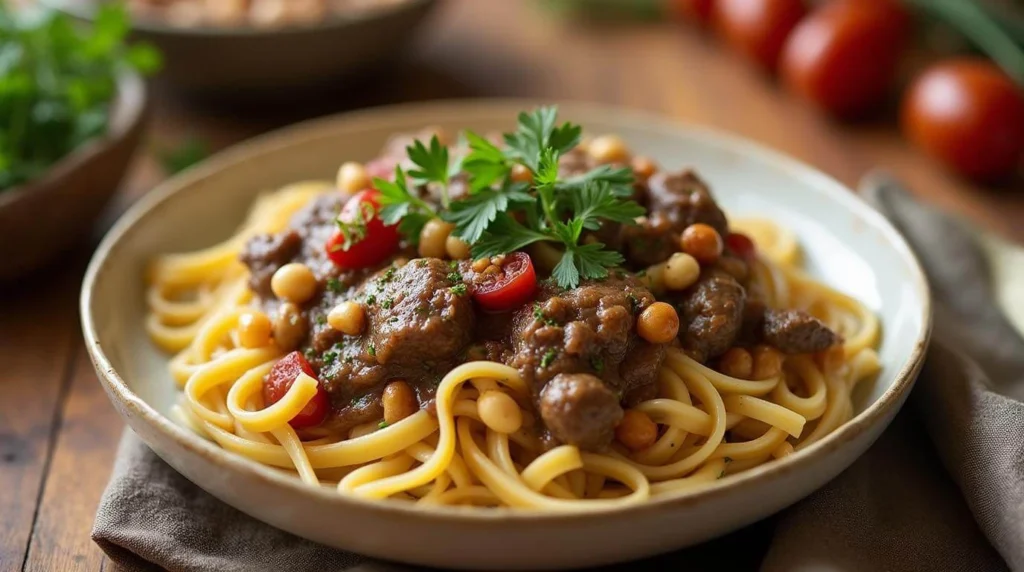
pixel 532 320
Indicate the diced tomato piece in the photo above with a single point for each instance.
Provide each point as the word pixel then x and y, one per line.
pixel 369 241
pixel 511 288
pixel 280 380
pixel 741 245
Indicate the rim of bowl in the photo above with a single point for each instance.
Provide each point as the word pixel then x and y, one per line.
pixel 127 109
pixel 334 21
pixel 395 117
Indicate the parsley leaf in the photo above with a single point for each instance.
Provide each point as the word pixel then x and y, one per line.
pixel 620 178
pixel 432 162
pixel 485 164
pixel 505 235
pixel 537 131
pixel 472 216
pixel 597 201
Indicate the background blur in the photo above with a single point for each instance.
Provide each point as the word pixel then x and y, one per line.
pixel 59 432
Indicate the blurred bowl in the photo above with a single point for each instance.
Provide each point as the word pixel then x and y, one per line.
pixel 243 58
pixel 41 218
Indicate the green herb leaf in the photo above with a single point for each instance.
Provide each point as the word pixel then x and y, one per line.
pixel 619 178
pixel 505 235
pixel 472 216
pixel 485 164
pixel 537 131
pixel 596 201
pixel 432 162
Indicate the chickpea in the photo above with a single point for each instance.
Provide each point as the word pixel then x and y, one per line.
pixel 737 362
pixel 643 168
pixel 767 363
pixel 636 430
pixel 226 12
pixel 294 283
pixel 681 271
pixel 702 242
pixel 348 318
pixel 433 238
pixel 658 324
pixel 609 149
pixel 584 144
pixel 399 401
pixel 289 327
pixel 254 329
pixel 521 174
pixel 480 264
pixel 654 278
pixel 352 178
pixel 456 247
pixel 499 411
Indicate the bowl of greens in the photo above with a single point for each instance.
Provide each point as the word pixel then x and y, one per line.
pixel 72 109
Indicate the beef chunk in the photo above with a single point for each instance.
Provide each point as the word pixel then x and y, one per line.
pixel 590 329
pixel 796 332
pixel 416 316
pixel 264 254
pixel 712 314
pixel 652 240
pixel 580 409
pixel 684 199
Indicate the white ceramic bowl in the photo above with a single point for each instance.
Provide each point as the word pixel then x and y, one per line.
pixel 847 244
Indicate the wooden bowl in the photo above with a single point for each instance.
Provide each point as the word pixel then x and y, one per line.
pixel 43 217
pixel 229 60
pixel 846 244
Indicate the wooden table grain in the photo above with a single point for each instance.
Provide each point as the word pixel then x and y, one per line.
pixel 58 432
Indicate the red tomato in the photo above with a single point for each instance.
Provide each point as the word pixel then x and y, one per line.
pixel 697 11
pixel 843 56
pixel 968 114
pixel 281 378
pixel 377 242
pixel 512 288
pixel 741 245
pixel 757 28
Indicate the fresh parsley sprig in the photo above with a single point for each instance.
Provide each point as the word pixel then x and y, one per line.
pixel 500 215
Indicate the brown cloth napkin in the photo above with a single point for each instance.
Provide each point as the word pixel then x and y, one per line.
pixel 942 489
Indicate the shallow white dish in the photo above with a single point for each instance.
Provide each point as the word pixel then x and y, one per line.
pixel 846 244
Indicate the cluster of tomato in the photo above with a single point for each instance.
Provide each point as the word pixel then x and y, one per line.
pixel 843 56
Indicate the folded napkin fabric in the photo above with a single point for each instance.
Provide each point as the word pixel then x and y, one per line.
pixel 942 489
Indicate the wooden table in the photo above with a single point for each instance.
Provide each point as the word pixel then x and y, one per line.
pixel 57 430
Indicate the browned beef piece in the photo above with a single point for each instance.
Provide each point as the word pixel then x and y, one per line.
pixel 796 332
pixel 416 316
pixel 589 329
pixel 417 330
pixel 712 314
pixel 580 409
pixel 654 239
pixel 684 199
pixel 264 254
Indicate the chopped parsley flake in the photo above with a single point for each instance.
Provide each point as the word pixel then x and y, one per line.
pixel 334 285
pixel 329 357
pixel 549 357
pixel 389 274
pixel 597 363
pixel 310 353
pixel 454 277
pixel 538 314
pixel 348 359
pixel 383 425
pixel 422 262
pixel 371 300
pixel 453 264
pixel 321 319
pixel 459 289
pixel 370 349
pixel 387 303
